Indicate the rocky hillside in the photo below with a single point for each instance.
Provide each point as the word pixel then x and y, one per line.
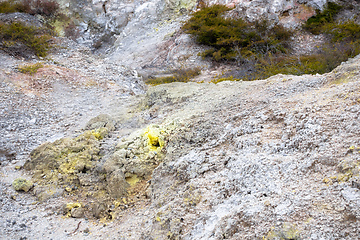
pixel 88 151
pixel 147 36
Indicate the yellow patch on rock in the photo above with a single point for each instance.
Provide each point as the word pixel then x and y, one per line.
pixel 155 139
pixel 132 180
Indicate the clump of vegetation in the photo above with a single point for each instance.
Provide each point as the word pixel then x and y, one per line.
pixel 36 40
pixel 316 23
pixel 231 38
pixel 330 56
pixel 262 50
pixel 30 69
pixel 11 7
pixel 346 32
pixel 179 75
pixel 343 42
pixel 18 39
pixel 42 7
pixel 338 32
pixel 222 79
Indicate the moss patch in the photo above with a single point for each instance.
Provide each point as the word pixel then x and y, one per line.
pixel 30 68
pixel 179 75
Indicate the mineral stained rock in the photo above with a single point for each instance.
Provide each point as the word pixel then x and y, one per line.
pixel 21 184
pixel 62 160
pixel 101 121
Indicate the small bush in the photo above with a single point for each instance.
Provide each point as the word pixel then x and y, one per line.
pixel 324 23
pixel 16 39
pixel 343 32
pixel 45 7
pixel 11 7
pixel 179 75
pixel 30 69
pixel 42 7
pixel 316 23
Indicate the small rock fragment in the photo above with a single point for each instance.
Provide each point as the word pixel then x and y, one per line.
pixel 117 184
pixel 98 209
pixel 21 184
pixel 355 184
pixel 77 212
pixel 74 210
pixel 101 121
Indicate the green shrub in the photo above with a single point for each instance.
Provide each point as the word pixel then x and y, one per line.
pixel 262 50
pixel 30 69
pixel 324 23
pixel 179 75
pixel 11 7
pixel 330 56
pixel 42 7
pixel 21 40
pixel 17 35
pixel 343 32
pixel 316 23
pixel 230 38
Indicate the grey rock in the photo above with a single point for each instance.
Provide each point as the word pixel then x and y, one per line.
pixel 98 209
pixel 27 19
pixel 77 212
pixel 117 184
pixel 102 120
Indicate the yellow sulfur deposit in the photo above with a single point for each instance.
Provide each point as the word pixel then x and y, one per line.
pixel 132 179
pixel 70 206
pixel 155 140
